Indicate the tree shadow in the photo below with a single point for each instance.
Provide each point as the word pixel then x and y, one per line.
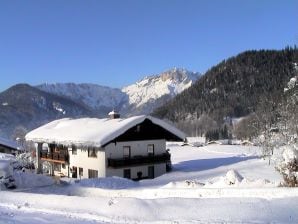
pixel 207 164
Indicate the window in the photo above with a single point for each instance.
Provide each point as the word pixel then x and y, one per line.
pixel 126 152
pixel 59 148
pixel 92 173
pixel 80 171
pixel 52 147
pixel 63 166
pixel 74 150
pixel 150 149
pixel 138 129
pixel 126 173
pixel 92 152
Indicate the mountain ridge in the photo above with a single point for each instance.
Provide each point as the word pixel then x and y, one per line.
pixel 24 107
pixel 134 99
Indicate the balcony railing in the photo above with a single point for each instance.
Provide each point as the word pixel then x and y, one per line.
pixel 57 156
pixel 139 160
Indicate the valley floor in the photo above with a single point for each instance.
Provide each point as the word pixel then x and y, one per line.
pixel 198 190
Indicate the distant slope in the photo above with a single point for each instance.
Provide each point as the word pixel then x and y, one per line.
pixel 234 87
pixel 23 106
pixel 100 98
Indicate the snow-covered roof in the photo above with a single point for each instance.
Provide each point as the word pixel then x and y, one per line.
pixel 92 131
pixel 9 143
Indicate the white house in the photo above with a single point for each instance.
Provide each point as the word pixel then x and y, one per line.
pixel 133 148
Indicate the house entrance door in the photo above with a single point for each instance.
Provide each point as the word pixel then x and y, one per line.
pixel 126 173
pixel 151 172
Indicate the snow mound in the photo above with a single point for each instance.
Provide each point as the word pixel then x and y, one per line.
pixel 234 179
pixel 29 180
pixel 108 183
pixel 231 179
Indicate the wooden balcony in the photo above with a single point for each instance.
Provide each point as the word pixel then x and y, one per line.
pixel 57 157
pixel 139 160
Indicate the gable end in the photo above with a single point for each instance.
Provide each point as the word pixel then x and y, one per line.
pixel 146 130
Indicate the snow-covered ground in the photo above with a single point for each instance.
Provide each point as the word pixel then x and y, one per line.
pixel 211 184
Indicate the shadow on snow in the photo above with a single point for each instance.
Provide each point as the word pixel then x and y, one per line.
pixel 207 164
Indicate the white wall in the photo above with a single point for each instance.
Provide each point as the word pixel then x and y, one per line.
pixel 138 148
pixel 82 160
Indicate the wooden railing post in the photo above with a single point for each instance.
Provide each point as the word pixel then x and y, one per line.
pixel 38 160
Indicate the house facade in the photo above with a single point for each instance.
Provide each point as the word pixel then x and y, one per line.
pixel 133 148
pixel 9 147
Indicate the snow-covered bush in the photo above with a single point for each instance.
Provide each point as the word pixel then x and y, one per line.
pixel 288 167
pixel 25 160
pixel 6 172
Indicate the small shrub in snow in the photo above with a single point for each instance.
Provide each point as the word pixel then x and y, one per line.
pixel 193 183
pixel 288 167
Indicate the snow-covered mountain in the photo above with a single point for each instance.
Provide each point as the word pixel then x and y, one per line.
pixel 141 97
pixel 99 98
pixel 151 89
pixel 23 107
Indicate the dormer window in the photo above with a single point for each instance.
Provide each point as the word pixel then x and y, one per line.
pixel 138 129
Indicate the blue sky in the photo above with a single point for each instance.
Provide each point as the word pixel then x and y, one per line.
pixel 116 43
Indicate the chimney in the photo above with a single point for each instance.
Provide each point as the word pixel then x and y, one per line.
pixel 114 115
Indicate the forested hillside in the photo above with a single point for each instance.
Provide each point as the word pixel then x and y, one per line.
pixel 234 88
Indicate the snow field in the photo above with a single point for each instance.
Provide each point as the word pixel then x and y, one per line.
pixel 166 210
pixel 212 184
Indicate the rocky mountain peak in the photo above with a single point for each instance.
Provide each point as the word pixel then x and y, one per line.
pixel 150 90
pixel 179 75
